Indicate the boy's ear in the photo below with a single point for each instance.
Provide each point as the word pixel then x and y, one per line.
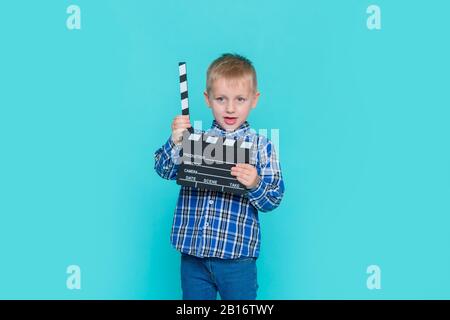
pixel 255 99
pixel 207 99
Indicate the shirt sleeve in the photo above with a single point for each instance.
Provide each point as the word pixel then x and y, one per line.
pixel 267 195
pixel 167 160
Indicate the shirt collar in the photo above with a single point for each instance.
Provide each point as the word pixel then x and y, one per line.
pixel 243 128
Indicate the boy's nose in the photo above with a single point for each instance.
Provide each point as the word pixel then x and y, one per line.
pixel 230 108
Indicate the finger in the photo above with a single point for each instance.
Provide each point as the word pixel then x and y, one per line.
pixel 242 175
pixel 180 116
pixel 179 132
pixel 183 118
pixel 181 121
pixel 181 126
pixel 236 173
pixel 243 170
pixel 244 166
pixel 236 170
pixel 244 181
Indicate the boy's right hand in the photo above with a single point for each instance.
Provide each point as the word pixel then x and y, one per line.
pixel 179 124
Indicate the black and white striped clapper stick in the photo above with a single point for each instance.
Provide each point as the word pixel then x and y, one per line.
pixel 184 91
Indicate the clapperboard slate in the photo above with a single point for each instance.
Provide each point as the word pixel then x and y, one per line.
pixel 207 160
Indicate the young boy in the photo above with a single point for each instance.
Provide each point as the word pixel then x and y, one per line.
pixel 218 233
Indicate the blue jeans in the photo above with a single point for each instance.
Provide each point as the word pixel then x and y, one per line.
pixel 202 278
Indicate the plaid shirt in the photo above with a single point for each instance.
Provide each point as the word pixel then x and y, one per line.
pixel 216 224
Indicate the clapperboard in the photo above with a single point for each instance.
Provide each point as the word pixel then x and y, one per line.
pixel 206 159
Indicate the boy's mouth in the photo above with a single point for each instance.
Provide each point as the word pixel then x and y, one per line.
pixel 230 120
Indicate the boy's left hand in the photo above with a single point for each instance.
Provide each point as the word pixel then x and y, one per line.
pixel 246 174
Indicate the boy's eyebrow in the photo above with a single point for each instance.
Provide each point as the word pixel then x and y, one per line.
pixel 223 95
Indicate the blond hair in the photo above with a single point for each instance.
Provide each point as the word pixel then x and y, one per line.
pixel 231 67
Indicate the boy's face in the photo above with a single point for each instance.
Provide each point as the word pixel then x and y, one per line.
pixel 231 101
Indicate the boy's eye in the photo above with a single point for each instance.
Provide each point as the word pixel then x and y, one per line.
pixel 240 99
pixel 220 99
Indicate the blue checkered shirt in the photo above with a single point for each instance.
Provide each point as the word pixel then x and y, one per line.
pixel 217 224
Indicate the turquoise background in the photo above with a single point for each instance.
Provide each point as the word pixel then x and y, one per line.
pixel 364 130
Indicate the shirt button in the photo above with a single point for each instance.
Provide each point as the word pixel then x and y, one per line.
pixel 211 201
pixel 206 224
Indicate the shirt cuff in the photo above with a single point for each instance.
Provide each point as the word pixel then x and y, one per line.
pixel 172 149
pixel 258 191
